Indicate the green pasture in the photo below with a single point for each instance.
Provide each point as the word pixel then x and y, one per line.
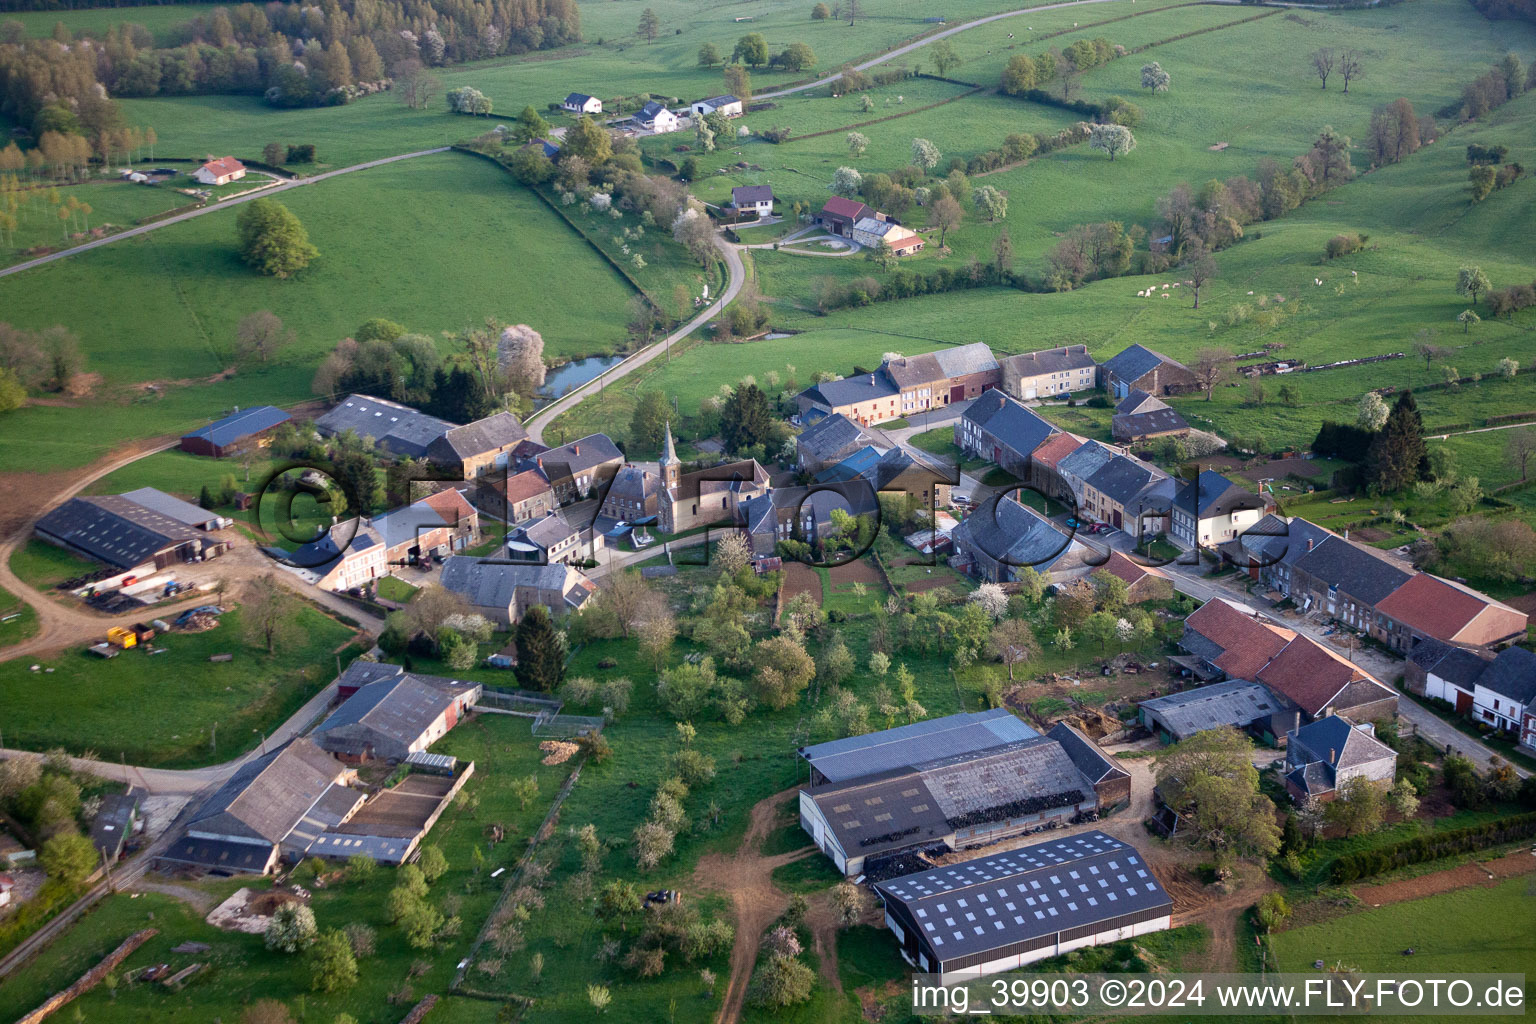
pixel 201 713
pixel 18 621
pixel 1449 933
pixel 159 19
pixel 114 204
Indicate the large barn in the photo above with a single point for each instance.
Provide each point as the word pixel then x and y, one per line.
pixel 877 802
pixel 1001 912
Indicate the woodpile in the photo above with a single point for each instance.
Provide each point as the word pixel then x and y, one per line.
pixel 558 751
pixel 91 978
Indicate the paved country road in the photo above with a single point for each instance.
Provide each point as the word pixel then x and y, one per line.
pixel 736 276
pixel 902 51
pixel 261 194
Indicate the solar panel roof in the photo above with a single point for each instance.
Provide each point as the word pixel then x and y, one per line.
pixel 981 904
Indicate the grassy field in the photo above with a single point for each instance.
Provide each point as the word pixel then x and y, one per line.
pixel 159 19
pixel 43 566
pixel 103 705
pixel 18 621
pixel 1449 932
pixel 116 204
pixel 175 296
pixel 242 970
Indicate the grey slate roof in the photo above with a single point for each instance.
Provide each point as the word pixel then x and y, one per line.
pixel 1155 421
pixel 1236 702
pixel 860 388
pixel 1009 421
pixel 499 430
pixel 114 529
pixel 909 467
pixel 743 194
pixel 494 584
pixel 1512 675
pixel 577 457
pixel 832 437
pixel 1015 535
pixel 1336 743
pixel 1122 478
pixel 1136 362
pixel 577 99
pixel 323 554
pixel 1086 461
pixel 1461 666
pixel 1275 540
pixel 268 795
pixel 965 359
pixel 1364 574
pixel 237 425
pixel 650 111
pixel 909 745
pixel 864 462
pixel 546 530
pixel 1095 765
pixel 1137 400
pixel 172 507
pixel 113 822
pixel 1026 893
pixel 1210 494
pixel 1050 360
pixel 404 524
pixel 396 429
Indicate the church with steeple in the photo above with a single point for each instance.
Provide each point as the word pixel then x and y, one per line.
pixel 681 501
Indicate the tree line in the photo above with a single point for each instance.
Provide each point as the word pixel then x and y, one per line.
pixel 292 54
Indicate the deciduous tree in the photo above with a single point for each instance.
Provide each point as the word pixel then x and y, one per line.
pixel 1155 78
pixel 1211 781
pixel 650 24
pixel 1113 139
pixel 261 336
pixel 332 966
pixel 1323 61
pixel 272 240
pixel 1471 282
pixel 269 613
pixel 946 215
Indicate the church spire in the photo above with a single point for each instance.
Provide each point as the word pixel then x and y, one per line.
pixel 668 452
pixel 671 469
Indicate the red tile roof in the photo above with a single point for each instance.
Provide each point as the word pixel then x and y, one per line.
pixel 1247 642
pixel 449 504
pixel 527 484
pixel 842 207
pixel 1055 448
pixel 1446 611
pixel 223 165
pixel 1310 674
pixel 1131 571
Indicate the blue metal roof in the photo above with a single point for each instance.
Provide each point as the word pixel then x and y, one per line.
pixel 240 424
pixel 919 743
pixel 851 468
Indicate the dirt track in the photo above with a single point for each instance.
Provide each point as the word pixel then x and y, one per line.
pixel 1461 877
pixel 747 877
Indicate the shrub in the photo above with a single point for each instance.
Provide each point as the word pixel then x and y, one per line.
pixel 1365 863
pixel 1343 245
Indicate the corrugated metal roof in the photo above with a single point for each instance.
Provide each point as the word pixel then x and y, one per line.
pixel 242 424
pixel 395 428
pixel 919 743
pixel 1236 702
pixel 172 507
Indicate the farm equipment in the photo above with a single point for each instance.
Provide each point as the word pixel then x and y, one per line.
pixel 117 636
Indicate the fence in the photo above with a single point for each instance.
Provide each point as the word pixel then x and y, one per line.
pixel 515 877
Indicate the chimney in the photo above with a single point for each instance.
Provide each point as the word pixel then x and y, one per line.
pixel 871 380
pixel 1346 534
pixel 1309 543
pixel 576 449
pixel 1333 755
